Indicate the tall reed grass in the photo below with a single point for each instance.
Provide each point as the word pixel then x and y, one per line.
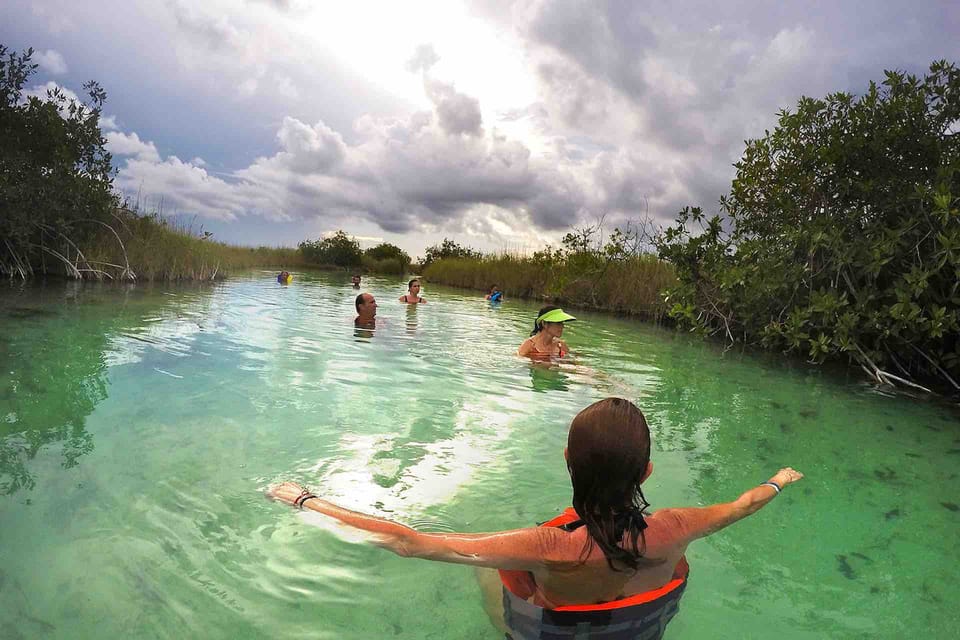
pixel 155 248
pixel 631 285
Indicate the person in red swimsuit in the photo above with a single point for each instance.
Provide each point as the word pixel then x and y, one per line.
pixel 607 567
pixel 544 341
pixel 413 293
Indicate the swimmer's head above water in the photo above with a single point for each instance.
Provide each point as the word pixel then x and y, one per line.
pixel 366 306
pixel 544 340
pixel 413 293
pixel 608 457
pixel 550 320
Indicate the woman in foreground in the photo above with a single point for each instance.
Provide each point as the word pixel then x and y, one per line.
pixel 603 566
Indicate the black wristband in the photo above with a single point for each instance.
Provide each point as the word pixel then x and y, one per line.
pixel 771 483
pixel 303 497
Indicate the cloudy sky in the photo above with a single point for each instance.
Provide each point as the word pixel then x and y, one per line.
pixel 497 123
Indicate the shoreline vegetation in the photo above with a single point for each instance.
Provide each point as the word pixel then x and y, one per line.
pixel 153 248
pixel 839 239
pixel 619 275
pixel 630 287
pixel 59 213
pixel 60 216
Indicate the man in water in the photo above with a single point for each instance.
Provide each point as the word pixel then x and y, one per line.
pixel 355 280
pixel 366 311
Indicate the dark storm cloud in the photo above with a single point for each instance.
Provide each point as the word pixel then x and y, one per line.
pixel 458 113
pixel 404 173
pixel 640 106
pixel 679 86
pixel 196 79
pixel 607 44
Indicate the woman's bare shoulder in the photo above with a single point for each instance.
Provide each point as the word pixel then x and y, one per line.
pixel 560 548
pixel 678 524
pixel 525 347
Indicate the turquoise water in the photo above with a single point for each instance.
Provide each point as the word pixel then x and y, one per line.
pixel 139 426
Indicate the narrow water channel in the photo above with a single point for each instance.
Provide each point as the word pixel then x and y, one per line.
pixel 140 424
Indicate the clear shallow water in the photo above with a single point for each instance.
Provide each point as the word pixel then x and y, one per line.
pixel 139 425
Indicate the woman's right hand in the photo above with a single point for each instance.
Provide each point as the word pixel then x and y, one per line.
pixel 786 476
pixel 286 492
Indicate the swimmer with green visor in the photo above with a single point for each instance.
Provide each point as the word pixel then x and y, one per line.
pixel 544 340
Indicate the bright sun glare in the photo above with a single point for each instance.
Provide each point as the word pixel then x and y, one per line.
pixel 376 40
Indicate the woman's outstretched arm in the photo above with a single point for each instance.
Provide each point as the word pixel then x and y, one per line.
pixel 523 549
pixel 700 522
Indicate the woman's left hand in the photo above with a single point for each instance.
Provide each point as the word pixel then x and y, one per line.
pixel 285 492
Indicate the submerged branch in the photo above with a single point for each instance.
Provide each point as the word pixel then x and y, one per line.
pixel 18 264
pixel 886 374
pixel 885 377
pixel 98 272
pixel 71 268
pixel 936 366
pixel 70 242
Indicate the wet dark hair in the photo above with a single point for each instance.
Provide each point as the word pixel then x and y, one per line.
pixel 538 326
pixel 493 286
pixel 358 302
pixel 608 450
pixel 410 284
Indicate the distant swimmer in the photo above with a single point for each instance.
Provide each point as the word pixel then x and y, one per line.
pixel 413 293
pixel 284 277
pixel 544 340
pixel 495 294
pixel 366 306
pixel 605 567
pixel 355 280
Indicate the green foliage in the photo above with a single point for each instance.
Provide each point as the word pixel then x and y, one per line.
pixel 841 234
pixel 55 174
pixel 615 275
pixel 338 250
pixel 386 250
pixel 447 249
pixel 387 265
pixel 386 258
pixel 58 210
